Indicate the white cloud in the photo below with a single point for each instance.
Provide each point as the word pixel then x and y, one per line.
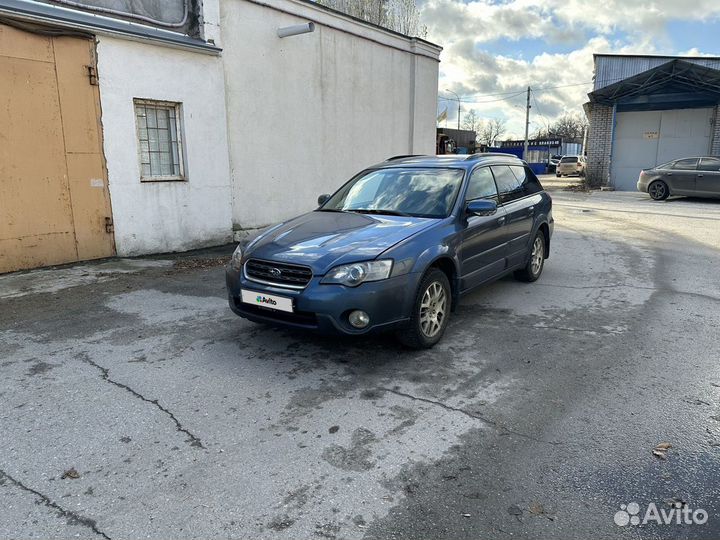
pixel 470 68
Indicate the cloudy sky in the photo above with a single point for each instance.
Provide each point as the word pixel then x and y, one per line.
pixel 494 49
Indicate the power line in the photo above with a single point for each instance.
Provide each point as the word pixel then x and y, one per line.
pixel 514 94
pixel 468 98
pixel 537 107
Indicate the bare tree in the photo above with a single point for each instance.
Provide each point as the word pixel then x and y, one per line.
pixel 492 131
pixel 398 15
pixel 472 122
pixel 569 127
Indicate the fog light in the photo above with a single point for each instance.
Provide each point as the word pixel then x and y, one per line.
pixel 359 319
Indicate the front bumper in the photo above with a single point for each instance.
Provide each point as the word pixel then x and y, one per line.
pixel 324 308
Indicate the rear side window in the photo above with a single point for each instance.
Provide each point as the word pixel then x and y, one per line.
pixel 507 183
pixel 709 164
pixel 686 164
pixel 528 181
pixel 481 185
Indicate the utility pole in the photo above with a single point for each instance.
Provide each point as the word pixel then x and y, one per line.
pixel 527 125
pixel 458 100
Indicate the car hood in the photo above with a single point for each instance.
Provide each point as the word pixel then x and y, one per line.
pixel 322 240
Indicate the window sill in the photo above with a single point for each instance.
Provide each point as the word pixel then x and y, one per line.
pixel 156 179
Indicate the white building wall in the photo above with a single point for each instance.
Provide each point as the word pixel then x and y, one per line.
pixel 307 112
pixel 152 217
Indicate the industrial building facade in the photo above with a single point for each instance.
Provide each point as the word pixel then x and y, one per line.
pixel 648 110
pixel 131 128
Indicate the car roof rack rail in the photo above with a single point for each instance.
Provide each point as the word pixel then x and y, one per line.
pixel 485 154
pixel 404 156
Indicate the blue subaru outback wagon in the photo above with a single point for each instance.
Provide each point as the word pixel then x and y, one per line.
pixel 396 247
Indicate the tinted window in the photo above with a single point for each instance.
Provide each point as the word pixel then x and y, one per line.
pixel 481 185
pixel 569 159
pixel 529 182
pixel 507 183
pixel 690 163
pixel 709 164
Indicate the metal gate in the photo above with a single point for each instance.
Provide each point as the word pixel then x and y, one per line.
pixel 648 138
pixel 54 199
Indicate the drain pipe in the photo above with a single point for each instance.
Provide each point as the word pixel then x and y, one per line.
pixel 296 30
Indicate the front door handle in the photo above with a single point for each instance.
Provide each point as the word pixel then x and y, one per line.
pixel 501 220
pixel 531 210
pixel 700 175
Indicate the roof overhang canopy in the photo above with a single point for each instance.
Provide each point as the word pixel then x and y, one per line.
pixel 677 84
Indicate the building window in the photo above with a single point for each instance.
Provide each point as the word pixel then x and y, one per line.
pixel 160 140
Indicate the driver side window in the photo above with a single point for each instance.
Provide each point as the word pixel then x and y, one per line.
pixel 481 185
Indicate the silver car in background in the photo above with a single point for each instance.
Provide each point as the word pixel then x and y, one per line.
pixel 569 165
pixel 693 177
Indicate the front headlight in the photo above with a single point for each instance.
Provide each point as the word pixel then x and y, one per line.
pixel 236 260
pixel 352 275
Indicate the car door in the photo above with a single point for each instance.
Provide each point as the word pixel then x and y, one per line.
pixel 708 177
pixel 519 213
pixel 681 176
pixel 483 249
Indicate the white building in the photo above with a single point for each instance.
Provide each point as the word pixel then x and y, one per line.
pixel 201 124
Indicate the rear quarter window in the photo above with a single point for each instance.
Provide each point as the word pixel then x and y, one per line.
pixel 685 164
pixel 509 188
pixel 527 179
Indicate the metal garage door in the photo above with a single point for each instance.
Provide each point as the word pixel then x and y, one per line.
pixel 54 199
pixel 648 138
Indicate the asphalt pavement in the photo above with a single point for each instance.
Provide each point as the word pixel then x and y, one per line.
pixel 135 404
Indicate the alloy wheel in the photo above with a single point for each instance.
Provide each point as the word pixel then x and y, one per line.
pixel 433 309
pixel 537 255
pixel 657 190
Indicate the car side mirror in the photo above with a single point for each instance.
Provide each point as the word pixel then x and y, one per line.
pixel 322 199
pixel 481 207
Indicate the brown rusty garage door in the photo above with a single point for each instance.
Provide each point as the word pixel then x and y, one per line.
pixel 54 199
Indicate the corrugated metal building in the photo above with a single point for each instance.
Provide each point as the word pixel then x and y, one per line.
pixel 647 110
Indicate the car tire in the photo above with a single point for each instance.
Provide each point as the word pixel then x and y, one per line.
pixel 536 261
pixel 658 190
pixel 558 175
pixel 432 298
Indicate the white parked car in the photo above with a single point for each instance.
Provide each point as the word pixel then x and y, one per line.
pixel 571 165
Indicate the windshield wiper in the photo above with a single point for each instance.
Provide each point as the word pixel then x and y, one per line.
pixel 329 210
pixel 379 211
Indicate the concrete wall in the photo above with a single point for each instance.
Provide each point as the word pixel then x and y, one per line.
pixel 165 216
pixel 307 112
pixel 599 144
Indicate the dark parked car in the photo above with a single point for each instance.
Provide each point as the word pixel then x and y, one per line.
pixel 396 247
pixel 694 177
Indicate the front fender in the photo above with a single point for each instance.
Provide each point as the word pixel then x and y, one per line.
pixel 433 254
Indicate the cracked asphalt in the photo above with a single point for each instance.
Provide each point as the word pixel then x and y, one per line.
pixel 535 417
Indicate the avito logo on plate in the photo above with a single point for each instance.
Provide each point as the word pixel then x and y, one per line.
pixel 679 514
pixel 264 300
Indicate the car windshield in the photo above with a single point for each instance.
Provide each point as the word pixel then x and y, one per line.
pixel 569 159
pixel 399 191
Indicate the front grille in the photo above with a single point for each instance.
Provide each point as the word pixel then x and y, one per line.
pixel 276 273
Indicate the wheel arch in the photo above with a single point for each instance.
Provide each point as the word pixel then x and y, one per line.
pixel 448 266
